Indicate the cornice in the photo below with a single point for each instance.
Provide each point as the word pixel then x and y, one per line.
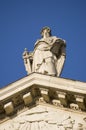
pixel 40 88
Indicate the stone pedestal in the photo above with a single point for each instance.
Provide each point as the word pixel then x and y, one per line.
pixel 45 102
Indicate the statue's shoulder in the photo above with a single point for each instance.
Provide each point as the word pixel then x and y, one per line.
pixel 57 40
pixel 40 40
pixel 54 37
pixel 50 41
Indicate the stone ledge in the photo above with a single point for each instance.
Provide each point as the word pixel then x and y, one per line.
pixel 43 80
pixel 45 89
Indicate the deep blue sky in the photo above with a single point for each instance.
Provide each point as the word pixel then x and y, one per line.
pixel 20 25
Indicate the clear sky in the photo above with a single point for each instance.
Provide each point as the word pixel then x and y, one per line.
pixel 20 25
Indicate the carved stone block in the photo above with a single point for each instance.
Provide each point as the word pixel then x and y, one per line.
pixel 74 106
pixel 9 108
pixel 44 93
pixel 56 102
pixel 27 98
pixel 62 97
pixel 80 101
pixel 41 100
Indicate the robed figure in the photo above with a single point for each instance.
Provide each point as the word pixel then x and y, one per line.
pixel 48 56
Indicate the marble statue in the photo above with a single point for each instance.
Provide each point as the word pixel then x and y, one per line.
pixel 48 56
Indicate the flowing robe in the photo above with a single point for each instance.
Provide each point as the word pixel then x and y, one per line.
pixel 44 60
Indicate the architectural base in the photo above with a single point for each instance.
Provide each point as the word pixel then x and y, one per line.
pixel 43 102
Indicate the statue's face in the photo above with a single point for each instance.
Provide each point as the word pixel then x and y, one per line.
pixel 46 33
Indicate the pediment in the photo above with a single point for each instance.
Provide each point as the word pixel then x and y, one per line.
pixel 41 101
pixel 43 117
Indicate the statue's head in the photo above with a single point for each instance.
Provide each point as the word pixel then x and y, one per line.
pixel 47 30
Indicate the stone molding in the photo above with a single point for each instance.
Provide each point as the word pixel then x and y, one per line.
pixel 38 88
pixel 45 117
pixel 48 81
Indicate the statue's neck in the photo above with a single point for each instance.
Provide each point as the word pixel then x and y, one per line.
pixel 46 35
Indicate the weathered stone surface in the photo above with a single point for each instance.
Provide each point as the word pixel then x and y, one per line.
pixel 48 56
pixel 43 102
pixel 27 98
pixel 9 108
pixel 46 118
